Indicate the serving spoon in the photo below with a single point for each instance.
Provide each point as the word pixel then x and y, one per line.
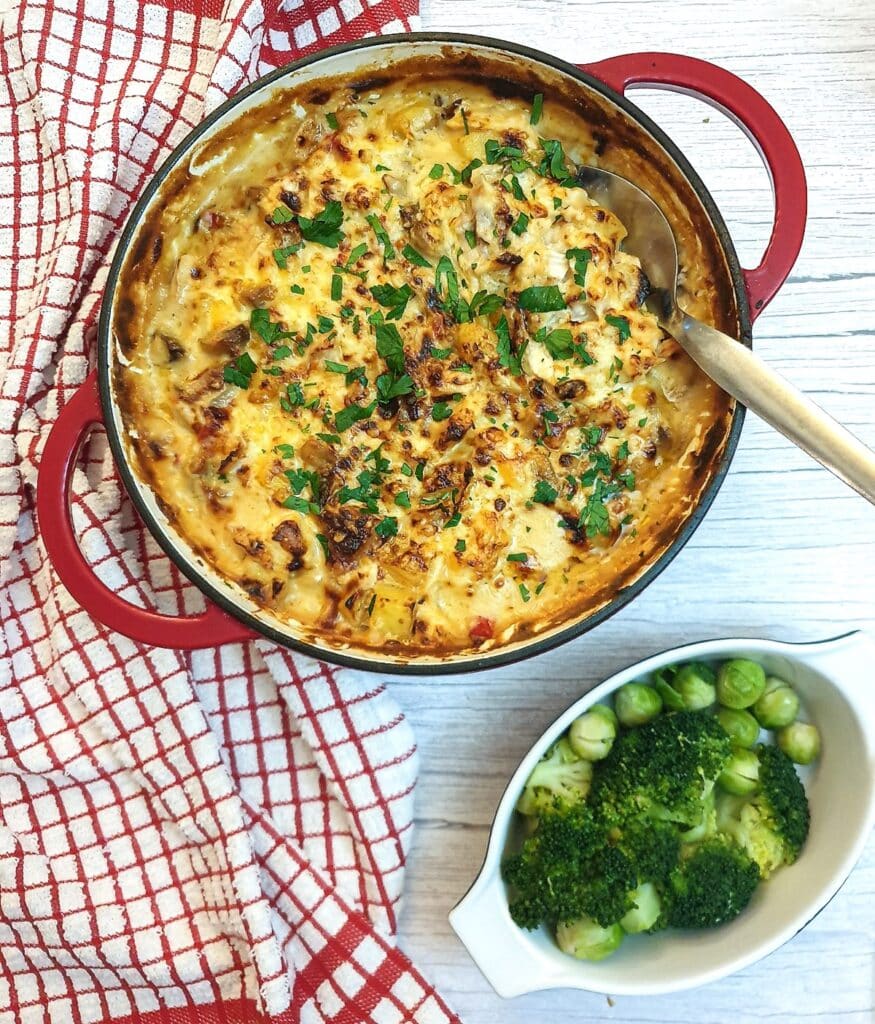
pixel 726 361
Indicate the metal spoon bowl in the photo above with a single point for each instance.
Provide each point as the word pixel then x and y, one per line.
pixel 726 361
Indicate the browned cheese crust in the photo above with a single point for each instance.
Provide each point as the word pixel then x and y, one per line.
pixel 387 368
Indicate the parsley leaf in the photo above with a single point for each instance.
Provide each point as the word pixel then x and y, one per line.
pixel 414 257
pixel 622 325
pixel 395 298
pixel 387 527
pixel 382 236
pixel 559 343
pixel 545 493
pixel 240 371
pixel 507 357
pixel 265 328
pixel 402 499
pixel 520 224
pixel 537 108
pixel 350 414
pixel 541 299
pixel 581 259
pixel 389 387
pixel 390 347
pixel 324 228
pixel 282 215
pixel 441 411
pixel 281 255
pixel 436 172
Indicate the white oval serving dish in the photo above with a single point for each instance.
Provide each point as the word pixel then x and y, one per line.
pixel 836 681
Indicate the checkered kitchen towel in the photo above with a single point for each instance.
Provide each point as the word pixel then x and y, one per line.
pixel 210 837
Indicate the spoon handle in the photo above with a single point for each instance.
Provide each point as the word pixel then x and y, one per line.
pixel 756 385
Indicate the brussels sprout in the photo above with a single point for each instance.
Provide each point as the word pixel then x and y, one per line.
pixel 695 685
pixel 671 699
pixel 800 742
pixel 740 683
pixel 778 705
pixel 646 911
pixel 636 704
pixel 592 735
pixel 741 776
pixel 587 940
pixel 742 727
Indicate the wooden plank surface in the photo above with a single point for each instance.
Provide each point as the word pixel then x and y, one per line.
pixel 785 552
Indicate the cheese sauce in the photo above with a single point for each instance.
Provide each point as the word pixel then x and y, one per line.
pixel 387 367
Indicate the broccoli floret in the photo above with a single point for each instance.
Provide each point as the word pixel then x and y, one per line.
pixel 710 887
pixel 547 876
pixel 611 879
pixel 663 768
pixel 558 780
pixel 652 847
pixel 772 826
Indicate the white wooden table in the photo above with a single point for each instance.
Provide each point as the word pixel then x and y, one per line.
pixel 785 552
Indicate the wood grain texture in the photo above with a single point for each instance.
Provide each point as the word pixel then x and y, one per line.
pixel 785 552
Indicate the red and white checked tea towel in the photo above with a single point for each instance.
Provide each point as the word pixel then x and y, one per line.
pixel 210 837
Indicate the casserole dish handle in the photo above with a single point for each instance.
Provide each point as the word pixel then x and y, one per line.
pixel 759 121
pixel 191 632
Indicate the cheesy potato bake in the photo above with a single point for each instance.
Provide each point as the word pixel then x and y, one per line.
pixel 387 368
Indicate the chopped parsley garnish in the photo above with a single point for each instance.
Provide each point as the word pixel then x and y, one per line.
pixel 332 121
pixel 298 504
pixel 441 353
pixel 390 347
pixel 557 202
pixel 382 167
pixel 518 556
pixel 389 387
pixel 298 480
pixel 520 224
pixel 382 236
pixel 269 332
pixel 414 257
pixel 460 545
pixel 296 289
pixel 282 215
pixel 356 254
pixel 496 152
pixel 394 298
pixel 581 259
pixel 483 303
pixel 324 228
pixel 402 499
pixel 436 172
pixel 406 470
pixel 281 352
pixel 471 239
pixel 517 189
pixel 329 438
pixel 351 414
pixel 464 114
pixel 325 324
pixel 545 493
pixel 441 411
pixel 367 492
pixel 454 520
pixel 387 527
pixel 439 497
pixel 323 541
pixel 541 299
pixel 524 592
pixel 240 371
pixel 537 108
pixel 419 472
pixel 621 324
pixel 623 452
pixel 281 255
pixel 293 397
pixel 642 422
pixel 336 287
pixel 559 343
pixel 468 170
pixel 553 164
pixel 285 451
pixel 333 367
pixel 508 358
pixel 595 517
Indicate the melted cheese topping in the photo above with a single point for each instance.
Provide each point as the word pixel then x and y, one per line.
pixel 386 367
